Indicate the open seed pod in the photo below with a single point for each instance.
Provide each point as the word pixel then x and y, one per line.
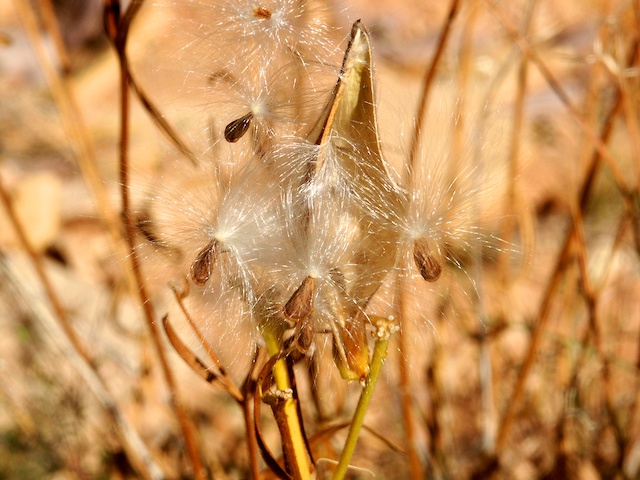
pixel 347 134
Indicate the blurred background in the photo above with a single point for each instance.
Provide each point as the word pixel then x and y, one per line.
pixel 521 362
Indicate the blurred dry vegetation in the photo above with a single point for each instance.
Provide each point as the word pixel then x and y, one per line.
pixel 523 364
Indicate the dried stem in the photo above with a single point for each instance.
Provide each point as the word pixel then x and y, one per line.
pixel 248 390
pixel 287 414
pixel 51 25
pixel 426 88
pixel 73 123
pixel 401 310
pixel 511 205
pixel 136 450
pixel 383 333
pixel 415 464
pixel 554 281
pixel 437 465
pixel 224 378
pixel 465 65
pixel 555 85
pixel 36 260
pixel 118 28
pixel 158 117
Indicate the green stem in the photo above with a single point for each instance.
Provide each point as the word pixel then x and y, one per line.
pixel 294 446
pixel 384 328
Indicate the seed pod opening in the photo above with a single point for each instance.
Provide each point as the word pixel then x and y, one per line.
pixel 429 267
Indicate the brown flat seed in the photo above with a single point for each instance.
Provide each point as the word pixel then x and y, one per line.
pixel 429 267
pixel 235 130
pixel 304 337
pixel 202 266
pixel 300 305
pixel 261 12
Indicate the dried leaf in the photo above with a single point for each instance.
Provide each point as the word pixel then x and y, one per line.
pixel 187 355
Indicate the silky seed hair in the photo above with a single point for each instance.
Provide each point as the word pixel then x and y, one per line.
pixel 219 224
pixel 304 232
pixel 221 60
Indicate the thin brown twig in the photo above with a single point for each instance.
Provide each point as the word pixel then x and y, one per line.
pixel 630 111
pixel 248 390
pixel 51 25
pixel 426 88
pixel 403 360
pixel 634 201
pixel 560 264
pixel 136 451
pixel 634 408
pixel 72 120
pixel 415 465
pixel 591 331
pixel 119 36
pixel 437 466
pixel 591 298
pixel 161 122
pixel 465 64
pixel 36 260
pixel 514 148
pixel 556 87
pixel 590 292
pixel 117 30
pixel 587 291
pixel 261 385
pixel 224 378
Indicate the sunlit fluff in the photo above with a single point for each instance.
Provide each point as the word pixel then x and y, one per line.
pixel 232 214
pixel 443 212
pixel 241 35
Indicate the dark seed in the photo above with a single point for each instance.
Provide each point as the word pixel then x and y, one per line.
pixel 236 129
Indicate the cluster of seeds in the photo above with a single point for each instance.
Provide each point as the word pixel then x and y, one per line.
pixel 309 220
